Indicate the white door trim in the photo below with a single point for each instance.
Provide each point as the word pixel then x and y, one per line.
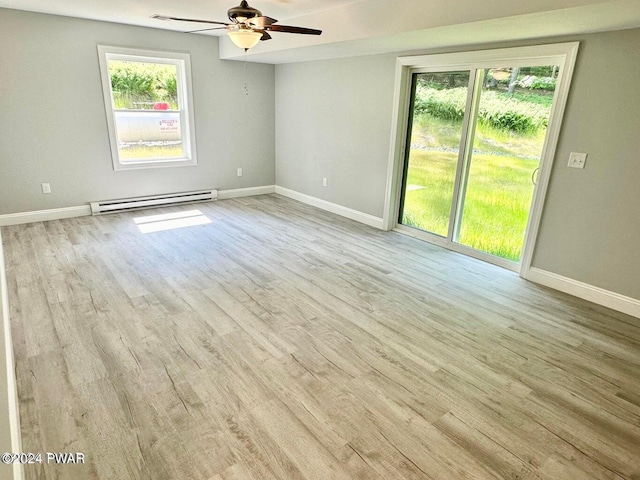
pixel 561 54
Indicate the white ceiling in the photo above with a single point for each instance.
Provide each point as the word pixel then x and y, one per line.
pixel 137 12
pixel 361 27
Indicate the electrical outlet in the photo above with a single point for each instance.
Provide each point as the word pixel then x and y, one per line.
pixel 324 182
pixel 46 188
pixel 239 172
pixel 577 160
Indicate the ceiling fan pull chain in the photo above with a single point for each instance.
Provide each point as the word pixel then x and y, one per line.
pixel 246 87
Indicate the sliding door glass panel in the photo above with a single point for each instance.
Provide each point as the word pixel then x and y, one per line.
pixel 433 146
pixel 508 137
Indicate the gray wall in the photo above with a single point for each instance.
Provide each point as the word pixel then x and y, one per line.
pixel 53 125
pixel 333 119
pixel 590 230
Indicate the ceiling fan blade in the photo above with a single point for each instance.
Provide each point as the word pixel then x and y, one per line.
pixel 265 36
pixel 206 29
pixel 261 22
pixel 289 29
pixel 163 17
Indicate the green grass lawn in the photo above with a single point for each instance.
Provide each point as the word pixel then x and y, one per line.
pixel 427 201
pixel 499 189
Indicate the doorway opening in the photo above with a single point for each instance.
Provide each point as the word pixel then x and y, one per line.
pixel 475 147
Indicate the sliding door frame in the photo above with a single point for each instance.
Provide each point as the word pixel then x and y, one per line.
pixel 561 54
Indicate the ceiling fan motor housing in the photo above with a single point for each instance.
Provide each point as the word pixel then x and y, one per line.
pixel 242 12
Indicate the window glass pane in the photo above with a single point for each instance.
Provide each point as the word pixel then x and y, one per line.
pixel 513 113
pixel 143 86
pixel 433 147
pixel 154 134
pixel 149 135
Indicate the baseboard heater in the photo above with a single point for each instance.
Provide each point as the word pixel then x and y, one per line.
pixel 137 203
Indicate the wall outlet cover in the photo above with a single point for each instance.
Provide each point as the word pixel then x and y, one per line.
pixel 577 160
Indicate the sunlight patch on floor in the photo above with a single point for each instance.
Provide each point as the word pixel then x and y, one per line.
pixel 170 221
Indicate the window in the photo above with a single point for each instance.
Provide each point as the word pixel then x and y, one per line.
pixel 148 102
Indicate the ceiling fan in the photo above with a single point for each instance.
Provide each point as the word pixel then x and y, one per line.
pixel 248 26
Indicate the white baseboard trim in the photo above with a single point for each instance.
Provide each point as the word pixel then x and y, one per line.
pixel 606 298
pixel 245 192
pixel 44 215
pixel 83 210
pixel 12 389
pixel 365 218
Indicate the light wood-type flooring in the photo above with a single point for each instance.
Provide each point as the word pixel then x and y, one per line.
pixel 282 342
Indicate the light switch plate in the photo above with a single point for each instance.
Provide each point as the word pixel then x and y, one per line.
pixel 577 160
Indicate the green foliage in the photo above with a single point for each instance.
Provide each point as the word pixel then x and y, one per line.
pixel 511 114
pixel 540 98
pixel 131 83
pixel 496 109
pixel 545 71
pixel 441 81
pixel 171 86
pixel 138 85
pixel 445 104
pixel 543 83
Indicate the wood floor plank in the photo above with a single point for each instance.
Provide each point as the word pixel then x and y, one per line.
pixel 294 438
pixel 284 342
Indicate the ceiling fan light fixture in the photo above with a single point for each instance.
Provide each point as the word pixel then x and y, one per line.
pixel 244 38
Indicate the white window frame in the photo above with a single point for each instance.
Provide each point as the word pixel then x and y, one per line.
pixel 182 61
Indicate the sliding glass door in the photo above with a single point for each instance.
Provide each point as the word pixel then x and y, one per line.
pixel 434 141
pixel 473 147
